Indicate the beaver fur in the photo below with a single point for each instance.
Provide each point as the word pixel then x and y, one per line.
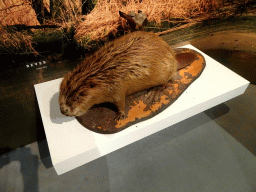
pixel 129 64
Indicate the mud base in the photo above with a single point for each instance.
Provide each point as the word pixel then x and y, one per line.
pixel 146 104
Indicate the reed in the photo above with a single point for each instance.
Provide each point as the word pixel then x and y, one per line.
pixel 104 19
pixel 15 42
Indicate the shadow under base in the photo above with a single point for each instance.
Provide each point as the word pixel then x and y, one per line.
pixel 148 103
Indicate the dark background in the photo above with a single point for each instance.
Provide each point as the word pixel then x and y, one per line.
pixel 20 118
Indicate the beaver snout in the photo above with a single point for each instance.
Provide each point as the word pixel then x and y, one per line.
pixel 64 111
pixel 67 112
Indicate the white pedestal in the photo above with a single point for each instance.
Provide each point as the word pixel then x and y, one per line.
pixel 71 145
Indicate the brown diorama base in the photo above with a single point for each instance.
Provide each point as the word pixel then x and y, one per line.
pixel 148 103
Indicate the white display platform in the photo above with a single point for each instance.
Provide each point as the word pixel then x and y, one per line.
pixel 71 145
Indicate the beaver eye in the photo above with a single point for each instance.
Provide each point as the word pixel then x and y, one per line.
pixel 92 85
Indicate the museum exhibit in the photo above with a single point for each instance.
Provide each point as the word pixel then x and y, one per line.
pixel 128 95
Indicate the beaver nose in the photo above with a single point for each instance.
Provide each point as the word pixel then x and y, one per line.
pixel 63 110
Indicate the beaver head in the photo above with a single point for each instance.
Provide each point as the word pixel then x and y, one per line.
pixel 77 95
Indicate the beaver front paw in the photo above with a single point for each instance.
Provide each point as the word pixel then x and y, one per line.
pixel 119 116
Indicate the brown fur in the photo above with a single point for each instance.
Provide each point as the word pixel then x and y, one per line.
pixel 132 63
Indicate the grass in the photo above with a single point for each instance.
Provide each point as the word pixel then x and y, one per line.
pixel 104 19
pixel 15 42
